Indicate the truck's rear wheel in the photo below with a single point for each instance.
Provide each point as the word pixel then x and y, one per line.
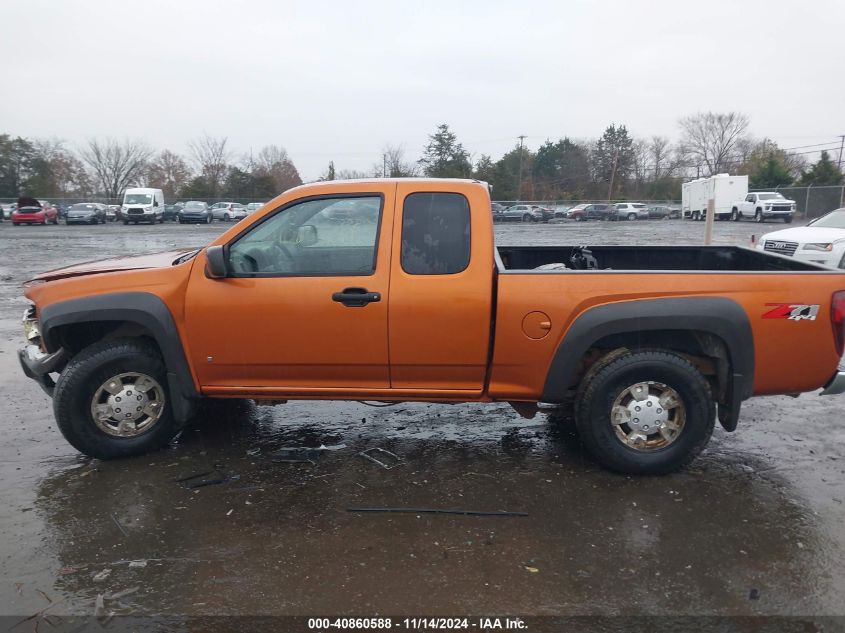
pixel 112 400
pixel 734 215
pixel 758 216
pixel 646 412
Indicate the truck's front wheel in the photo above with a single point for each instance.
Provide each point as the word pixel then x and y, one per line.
pixel 112 401
pixel 645 412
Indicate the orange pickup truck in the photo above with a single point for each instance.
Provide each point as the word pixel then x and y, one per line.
pixel 393 290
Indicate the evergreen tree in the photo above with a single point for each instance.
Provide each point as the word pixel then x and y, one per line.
pixel 822 173
pixel 444 157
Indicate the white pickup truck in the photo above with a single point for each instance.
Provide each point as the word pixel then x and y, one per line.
pixel 763 205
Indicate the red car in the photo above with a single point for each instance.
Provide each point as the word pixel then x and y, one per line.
pixel 31 211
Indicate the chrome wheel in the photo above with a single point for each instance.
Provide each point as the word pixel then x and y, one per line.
pixel 127 405
pixel 648 416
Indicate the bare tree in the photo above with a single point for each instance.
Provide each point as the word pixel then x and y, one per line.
pixel 394 164
pixel 273 161
pixel 168 172
pixel 660 157
pixel 709 139
pixel 211 157
pixel 116 165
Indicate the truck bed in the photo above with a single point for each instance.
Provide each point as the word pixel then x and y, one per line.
pixel 650 258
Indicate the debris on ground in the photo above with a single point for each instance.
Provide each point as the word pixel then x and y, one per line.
pixel 99 606
pixel 531 569
pixel 100 576
pixel 303 454
pixel 137 564
pixel 122 594
pixel 207 478
pixel 481 513
pixel 754 594
pixel 119 526
pixel 395 459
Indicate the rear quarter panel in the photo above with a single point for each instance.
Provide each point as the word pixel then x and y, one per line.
pixel 790 356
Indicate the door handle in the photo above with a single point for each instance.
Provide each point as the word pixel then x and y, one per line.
pixel 356 297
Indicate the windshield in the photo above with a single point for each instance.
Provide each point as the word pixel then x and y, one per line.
pixel 770 196
pixel 195 205
pixel 833 220
pixel 138 198
pixel 81 207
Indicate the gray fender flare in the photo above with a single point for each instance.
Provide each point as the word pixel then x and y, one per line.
pixel 142 308
pixel 719 316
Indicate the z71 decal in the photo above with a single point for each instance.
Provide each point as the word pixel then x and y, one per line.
pixel 792 311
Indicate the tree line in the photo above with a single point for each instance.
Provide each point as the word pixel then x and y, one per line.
pixel 40 167
pixel 616 165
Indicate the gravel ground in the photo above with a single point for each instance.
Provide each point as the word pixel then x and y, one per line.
pixel 754 526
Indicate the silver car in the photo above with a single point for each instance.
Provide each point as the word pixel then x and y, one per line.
pixel 628 211
pixel 228 211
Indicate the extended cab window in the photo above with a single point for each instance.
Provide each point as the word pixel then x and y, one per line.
pixel 435 234
pixel 326 236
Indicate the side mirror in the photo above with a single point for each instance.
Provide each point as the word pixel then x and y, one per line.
pixel 306 235
pixel 155 203
pixel 215 267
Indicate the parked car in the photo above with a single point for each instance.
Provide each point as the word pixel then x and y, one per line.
pixel 195 212
pixel 650 351
pixel 6 210
pixel 252 207
pixel 171 212
pixel 142 204
pixel 561 210
pixel 822 241
pixel 86 213
pixel 573 213
pixel 762 206
pixel 522 213
pixel 663 212
pixel 32 211
pixel 628 211
pixel 228 211
pixel 112 212
pixel 589 212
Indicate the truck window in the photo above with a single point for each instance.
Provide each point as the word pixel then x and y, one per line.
pixel 326 236
pixel 435 234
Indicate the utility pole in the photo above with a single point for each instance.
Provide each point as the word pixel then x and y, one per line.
pixel 384 165
pixel 519 189
pixel 841 146
pixel 612 176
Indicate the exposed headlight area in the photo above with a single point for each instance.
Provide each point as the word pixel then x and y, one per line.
pixel 31 329
pixel 818 246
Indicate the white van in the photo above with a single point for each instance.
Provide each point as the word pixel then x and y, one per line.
pixel 141 204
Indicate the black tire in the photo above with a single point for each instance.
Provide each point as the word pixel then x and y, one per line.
pixel 226 217
pixel 787 219
pixel 83 376
pixel 209 219
pixel 181 221
pixel 609 378
pixel 125 222
pixel 735 215
pixel 758 216
pixel 632 216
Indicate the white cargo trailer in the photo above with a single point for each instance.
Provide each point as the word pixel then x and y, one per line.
pixel 723 188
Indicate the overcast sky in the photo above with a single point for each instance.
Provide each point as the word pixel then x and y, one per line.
pixel 332 80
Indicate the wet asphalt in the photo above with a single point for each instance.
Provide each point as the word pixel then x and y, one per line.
pixel 225 521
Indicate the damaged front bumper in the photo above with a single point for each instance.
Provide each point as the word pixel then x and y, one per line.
pixel 836 384
pixel 39 365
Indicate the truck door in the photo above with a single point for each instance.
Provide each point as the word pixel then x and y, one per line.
pixel 441 287
pixel 304 305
